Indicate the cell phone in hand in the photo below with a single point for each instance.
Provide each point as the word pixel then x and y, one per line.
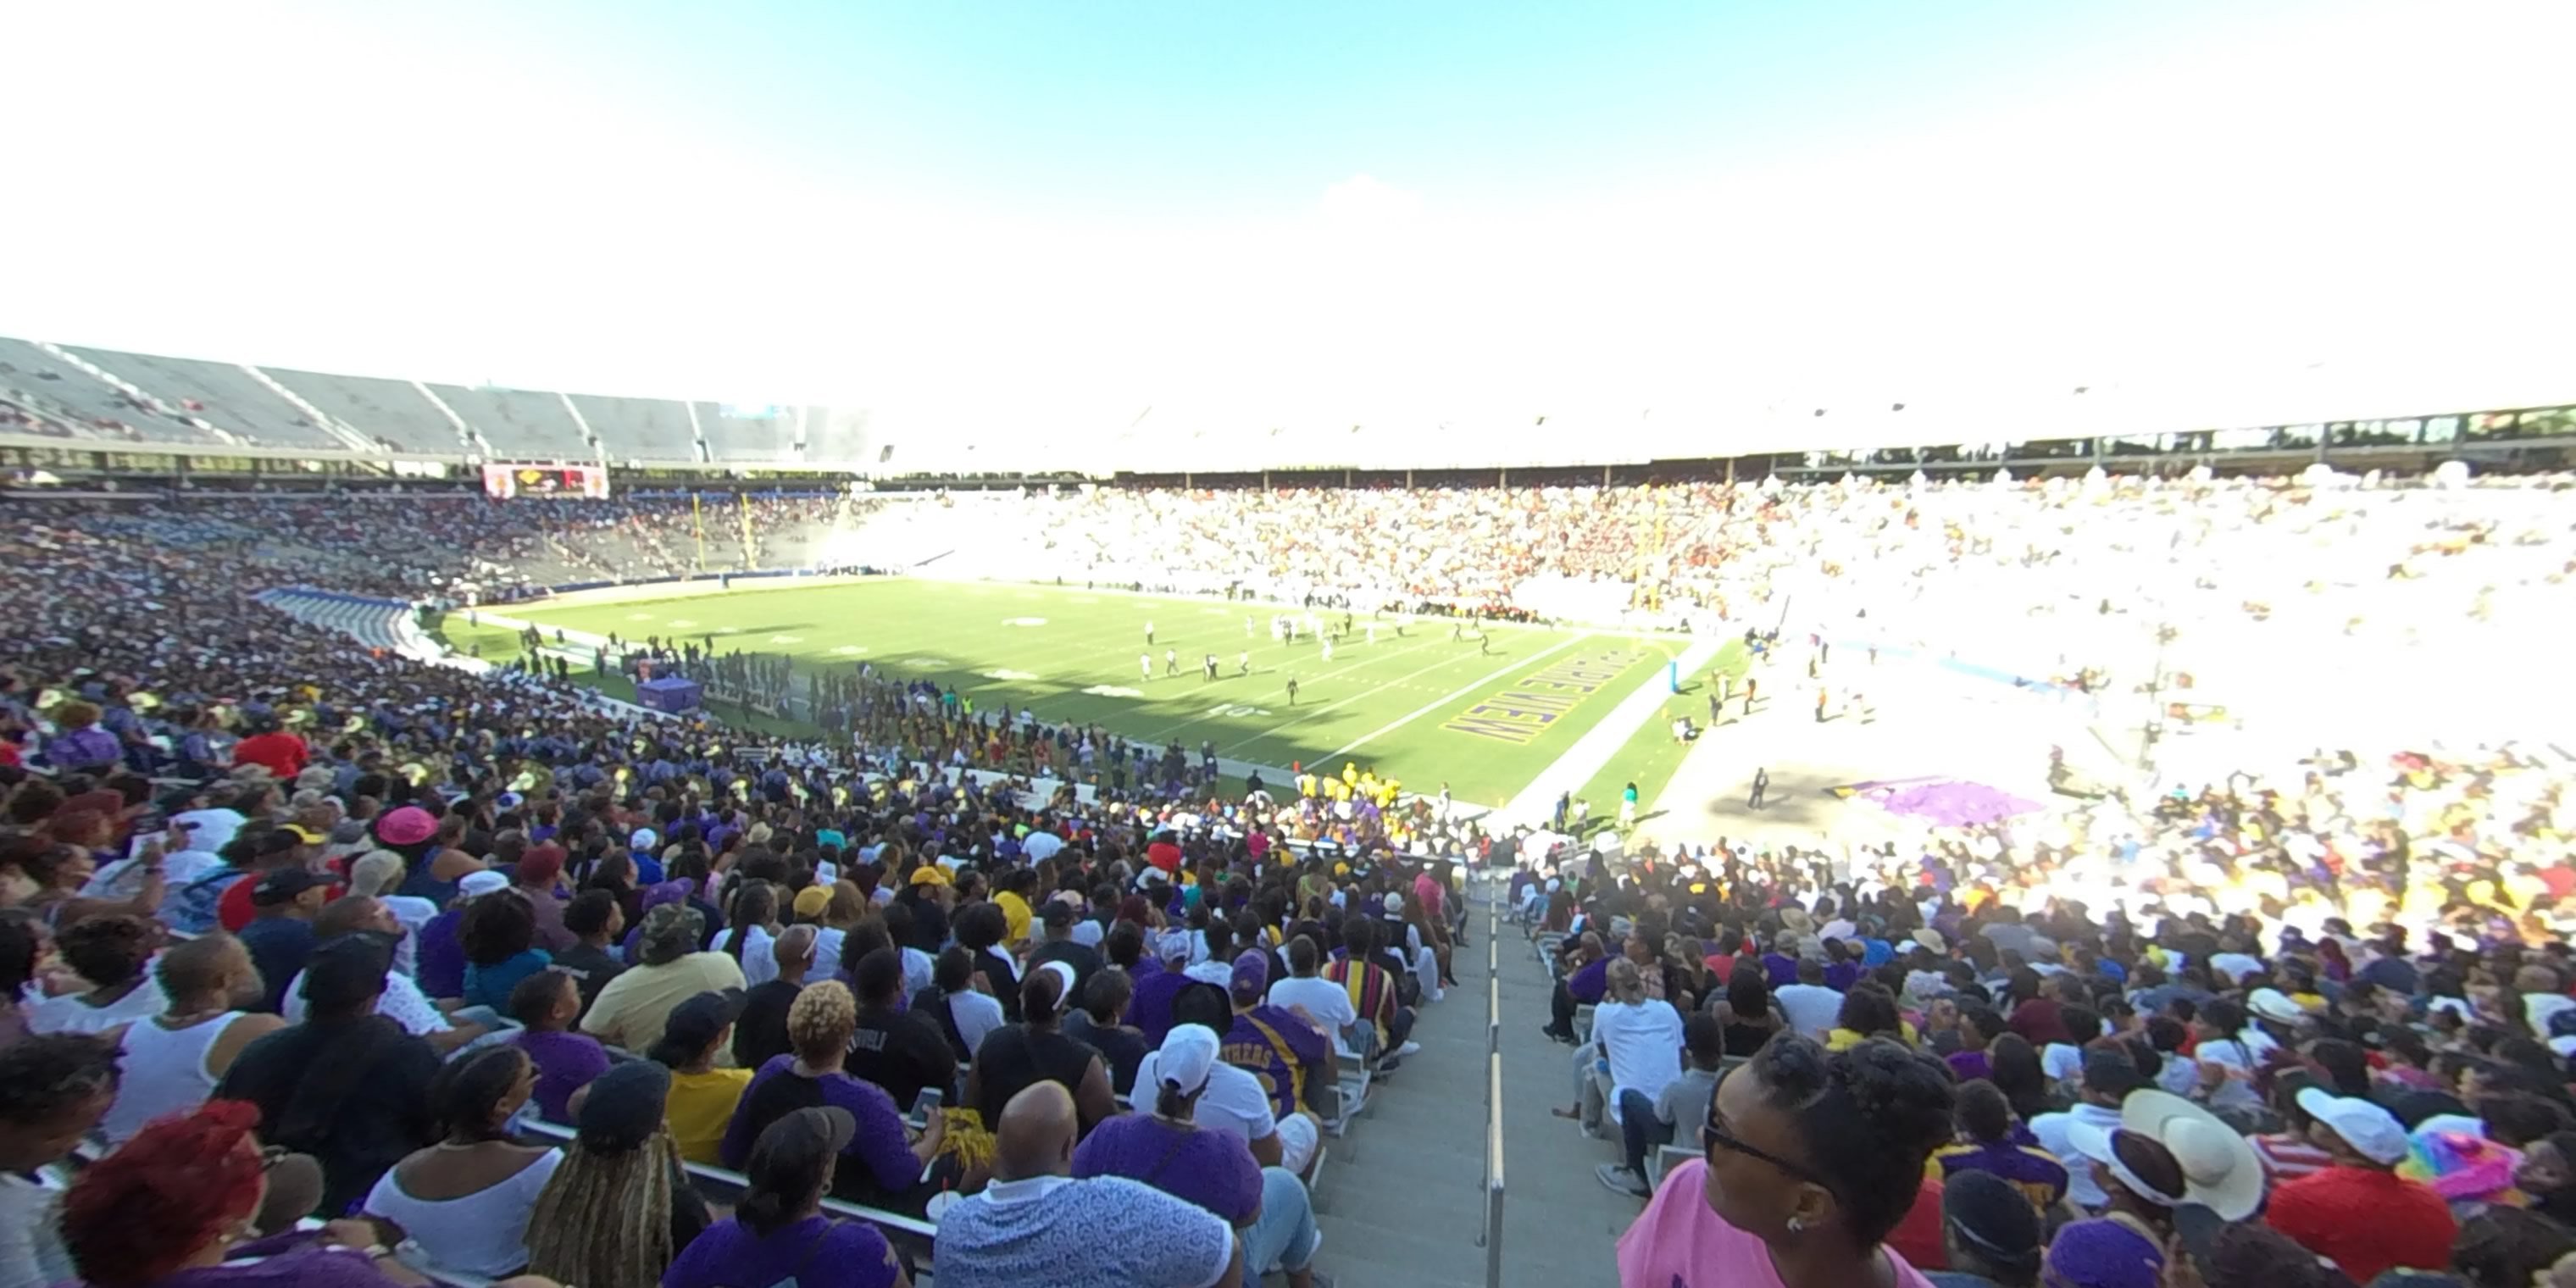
pixel 927 1102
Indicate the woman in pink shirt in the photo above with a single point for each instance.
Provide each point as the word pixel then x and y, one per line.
pixel 1810 1158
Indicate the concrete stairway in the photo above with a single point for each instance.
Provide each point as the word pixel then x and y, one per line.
pixel 1401 1199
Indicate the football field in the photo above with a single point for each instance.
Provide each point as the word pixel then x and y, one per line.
pixel 1485 716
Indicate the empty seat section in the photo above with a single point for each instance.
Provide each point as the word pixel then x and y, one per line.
pixel 644 429
pixel 225 396
pixel 519 425
pixel 748 433
pixel 841 436
pixel 36 379
pixel 388 411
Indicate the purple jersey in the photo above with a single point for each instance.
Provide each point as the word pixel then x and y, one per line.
pixel 1278 1048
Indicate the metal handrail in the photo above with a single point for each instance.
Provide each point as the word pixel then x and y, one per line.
pixel 1494 1173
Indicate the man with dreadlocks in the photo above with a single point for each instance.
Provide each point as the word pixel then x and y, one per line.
pixel 620 1206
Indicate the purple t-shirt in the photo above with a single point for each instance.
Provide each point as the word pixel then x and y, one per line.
pixel 1150 1009
pixel 566 1062
pixel 879 1145
pixel 441 970
pixel 1589 982
pixel 1199 1165
pixel 1969 1065
pixel 817 1252
pixel 308 1266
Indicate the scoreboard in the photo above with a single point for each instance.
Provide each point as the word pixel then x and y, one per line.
pixel 506 481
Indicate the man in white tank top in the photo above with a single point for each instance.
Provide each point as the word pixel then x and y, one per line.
pixel 173 1060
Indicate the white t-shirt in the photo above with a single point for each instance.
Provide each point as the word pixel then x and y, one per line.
pixel 74 1014
pixel 403 1003
pixel 827 955
pixel 2061 1061
pixel 2236 966
pixel 413 912
pixel 2241 1055
pixel 2539 1007
pixel 1810 1008
pixel 1234 1102
pixel 123 879
pixel 1329 1003
pixel 215 827
pixel 1644 1043
pixel 485 1232
pixel 976 1014
pixel 918 970
pixel 31 1247
pixel 760 956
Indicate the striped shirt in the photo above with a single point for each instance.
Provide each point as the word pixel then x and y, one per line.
pixel 2032 1170
pixel 1371 990
pixel 2287 1158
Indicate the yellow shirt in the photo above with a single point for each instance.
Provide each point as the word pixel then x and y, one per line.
pixel 1842 1039
pixel 1015 915
pixel 699 1107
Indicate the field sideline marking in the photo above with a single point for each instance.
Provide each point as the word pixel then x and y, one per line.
pixel 1449 697
pixel 1592 752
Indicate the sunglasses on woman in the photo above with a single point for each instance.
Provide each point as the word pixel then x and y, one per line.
pixel 1713 1137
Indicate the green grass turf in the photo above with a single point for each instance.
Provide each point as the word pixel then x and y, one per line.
pixel 1070 654
pixel 499 645
pixel 1648 759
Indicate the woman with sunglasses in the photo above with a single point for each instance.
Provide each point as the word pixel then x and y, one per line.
pixel 1809 1159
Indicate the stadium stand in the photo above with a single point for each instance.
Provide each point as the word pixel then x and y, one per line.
pixel 228 397
pixel 640 429
pixel 390 412
pixel 56 387
pixel 842 437
pixel 744 436
pixel 2250 1002
pixel 518 425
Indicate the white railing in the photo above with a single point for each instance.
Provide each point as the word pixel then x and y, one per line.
pixel 1493 1233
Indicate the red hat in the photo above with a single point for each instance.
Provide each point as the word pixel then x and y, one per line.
pixel 541 865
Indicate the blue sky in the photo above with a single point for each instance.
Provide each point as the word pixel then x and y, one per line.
pixel 1002 213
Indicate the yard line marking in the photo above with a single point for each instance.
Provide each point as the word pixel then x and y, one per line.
pixel 1453 695
pixel 1357 664
pixel 1305 713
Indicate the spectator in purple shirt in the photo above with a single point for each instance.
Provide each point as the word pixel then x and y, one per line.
pixel 1150 1010
pixel 78 744
pixel 1214 1170
pixel 1583 986
pixel 1780 965
pixel 778 1234
pixel 547 1003
pixel 820 1024
pixel 535 878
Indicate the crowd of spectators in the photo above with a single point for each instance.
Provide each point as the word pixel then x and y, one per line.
pixel 390 983
pixel 2133 585
pixel 299 931
pixel 2316 1029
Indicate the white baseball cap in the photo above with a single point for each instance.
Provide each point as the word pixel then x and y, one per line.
pixel 2373 1132
pixel 475 885
pixel 2274 1005
pixel 1187 1056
